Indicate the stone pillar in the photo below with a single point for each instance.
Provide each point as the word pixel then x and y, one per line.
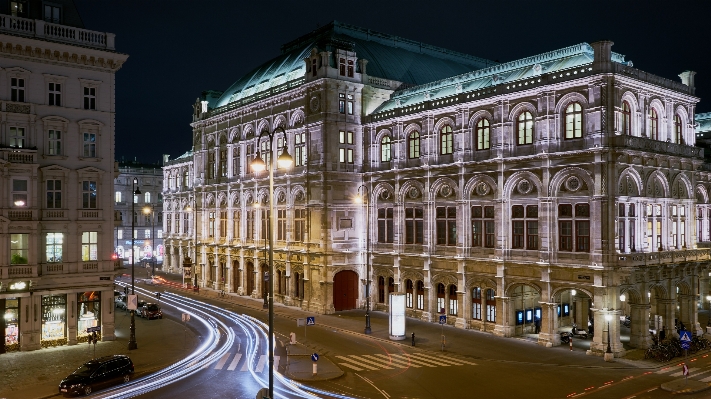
pixel 505 326
pixel 666 308
pixel 639 330
pixel 549 325
pixel 581 313
pixel 599 345
pixel 107 315
pixel 463 305
pixel 426 312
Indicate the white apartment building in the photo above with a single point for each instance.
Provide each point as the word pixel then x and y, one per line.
pixel 57 83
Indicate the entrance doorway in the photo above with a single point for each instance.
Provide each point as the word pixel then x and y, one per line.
pixel 345 290
pixel 250 278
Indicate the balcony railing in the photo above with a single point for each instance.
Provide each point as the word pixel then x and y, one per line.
pixel 657 258
pixel 56 32
pixel 18 271
pixel 18 155
pixel 645 144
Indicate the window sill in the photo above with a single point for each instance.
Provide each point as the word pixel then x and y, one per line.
pixel 91 159
pixel 57 157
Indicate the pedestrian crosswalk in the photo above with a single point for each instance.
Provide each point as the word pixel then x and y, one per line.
pixel 262 362
pixel 696 373
pixel 394 361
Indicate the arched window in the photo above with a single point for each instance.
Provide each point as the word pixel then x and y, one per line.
pixel 573 121
pixel 453 303
pixel 385 149
pixel 446 140
pixel 440 298
pixel 408 293
pixel 420 295
pixel 147 197
pixel 381 289
pixel 524 127
pixel 653 124
pixel 413 145
pixel 626 118
pixel 117 197
pixel 482 134
pixel 476 303
pixel 679 139
pixel 490 305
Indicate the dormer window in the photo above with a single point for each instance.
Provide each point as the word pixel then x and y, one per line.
pixel 342 67
pixel 52 14
pixel 350 68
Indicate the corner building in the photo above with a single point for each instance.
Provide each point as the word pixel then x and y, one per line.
pixel 57 161
pixel 515 198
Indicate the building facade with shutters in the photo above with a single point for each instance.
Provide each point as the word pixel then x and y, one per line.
pixel 57 156
pixel 514 198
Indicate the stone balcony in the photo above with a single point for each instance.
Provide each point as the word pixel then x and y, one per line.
pixel 660 147
pixel 40 29
pixel 638 259
pixel 18 271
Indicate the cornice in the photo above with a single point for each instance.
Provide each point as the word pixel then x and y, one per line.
pixel 79 55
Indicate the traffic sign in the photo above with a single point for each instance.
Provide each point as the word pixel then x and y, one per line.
pixel 314 357
pixel 93 329
pixel 132 302
pixel 186 317
pixel 684 369
pixel 311 321
pixel 685 338
pixel 442 319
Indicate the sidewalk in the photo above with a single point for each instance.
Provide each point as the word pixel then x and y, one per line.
pixel 36 374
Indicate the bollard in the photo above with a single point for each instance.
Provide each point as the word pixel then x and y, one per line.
pixel 413 339
pixel 571 342
pixel 292 339
pixel 315 368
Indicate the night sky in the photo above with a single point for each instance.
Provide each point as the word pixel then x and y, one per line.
pixel 179 48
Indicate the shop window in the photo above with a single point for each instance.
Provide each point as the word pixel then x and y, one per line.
pixel 88 194
pixel 17 137
pixel 420 295
pixel 446 143
pixel 408 293
pixel 55 94
pixel 414 225
pixel 524 128
pixel 89 246
pixel 413 145
pixel 89 145
pixel 12 322
pixel 54 319
pixel 17 90
pixel 453 302
pixel 385 225
pixel 385 148
pixel 54 244
pixel 482 134
pixel 476 303
pixel 88 313
pixel 490 305
pixel 19 249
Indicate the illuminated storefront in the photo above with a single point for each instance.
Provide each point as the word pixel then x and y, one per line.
pixel 54 320
pixel 88 312
pixel 11 323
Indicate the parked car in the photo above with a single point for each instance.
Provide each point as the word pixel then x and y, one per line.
pixel 121 301
pixel 151 311
pixel 97 374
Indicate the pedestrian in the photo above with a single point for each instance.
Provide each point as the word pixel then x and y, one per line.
pixel 662 334
pixel 538 325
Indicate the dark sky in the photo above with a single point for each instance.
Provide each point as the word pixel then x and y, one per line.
pixel 179 48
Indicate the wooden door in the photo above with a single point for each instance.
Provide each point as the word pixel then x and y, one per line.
pixel 345 290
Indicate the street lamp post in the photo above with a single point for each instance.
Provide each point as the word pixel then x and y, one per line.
pixel 708 320
pixel 151 210
pixel 266 233
pixel 132 336
pixel 608 352
pixel 363 196
pixel 285 160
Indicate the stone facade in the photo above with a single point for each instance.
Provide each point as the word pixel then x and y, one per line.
pixel 57 156
pixel 557 189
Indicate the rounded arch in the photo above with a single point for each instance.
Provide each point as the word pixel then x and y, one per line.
pixel 479 115
pixel 222 137
pixel 280 192
pixel 631 100
pixel 298 195
pixel 632 295
pixel 378 191
pixel 234 135
pixel 279 121
pixel 404 194
pixel 683 286
pixel 412 276
pixel 445 278
pixel 247 131
pixel 685 184
pixel 411 128
pixel 514 284
pixel 470 185
pixel 263 125
pixel 573 97
pixel 521 107
pixel 703 193
pixel 559 290
pixel 481 282
pixel 297 118
pixel 445 120
pixel 382 133
pixel 560 177
pixel 627 175
pixel 221 199
pixel 659 290
pixel 442 181
pixel 513 180
pixel 662 183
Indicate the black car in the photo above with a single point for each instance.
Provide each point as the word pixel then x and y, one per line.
pixel 151 311
pixel 97 374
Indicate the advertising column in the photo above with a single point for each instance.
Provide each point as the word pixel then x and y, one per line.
pixel 397 316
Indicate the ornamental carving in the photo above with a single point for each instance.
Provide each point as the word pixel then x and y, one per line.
pixel 314 104
pixel 446 191
pixel 385 195
pixel 573 184
pixel 299 196
pixel 281 197
pixel 413 193
pixel 524 186
pixel 482 189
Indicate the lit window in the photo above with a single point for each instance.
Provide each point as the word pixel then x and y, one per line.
pixel 17 137
pixel 653 124
pixel 482 134
pixel 679 138
pixel 89 246
pixel 147 197
pixel 476 303
pixel 385 149
pixel 341 103
pixel 19 249
pixel 573 121
pixel 413 145
pixel 626 118
pixel 350 104
pixel 117 196
pixel 524 127
pixel 300 149
pixel 446 140
pixel 19 192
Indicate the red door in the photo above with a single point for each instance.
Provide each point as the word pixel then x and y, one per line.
pixel 345 290
pixel 250 278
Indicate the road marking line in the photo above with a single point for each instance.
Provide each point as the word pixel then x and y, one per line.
pixel 423 362
pixel 260 364
pixel 680 373
pixel 405 362
pixel 389 363
pixel 245 365
pixel 350 366
pixel 456 362
pixel 344 358
pixel 374 363
pixel 665 370
pixel 707 379
pixel 222 361
pixel 233 365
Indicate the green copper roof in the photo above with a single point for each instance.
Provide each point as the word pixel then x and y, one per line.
pixel 704 121
pixel 514 71
pixel 389 57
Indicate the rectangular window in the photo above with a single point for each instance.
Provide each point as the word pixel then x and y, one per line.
pixel 350 103
pixel 17 137
pixel 446 225
pixel 55 142
pixel 147 233
pixel 420 295
pixel 453 305
pixel 341 103
pixel 119 234
pixel 299 224
pixel 89 245
pixel 19 193
pixel 19 249
pixel 52 14
pixel 223 162
pixel 89 98
pixel 385 225
pixel 88 196
pixel 223 224
pixel 349 158
pixel 414 225
pixel 186 221
pixel 476 303
pixel 211 167
pixel 482 219
pixel 300 149
pixel 17 90
pixel 250 225
pixel 235 224
pixel 350 68
pixel 55 94
pixel 342 66
pixel 489 230
pixel 235 162
pixel 54 194
pixel 211 225
pixel 524 227
pixel 281 224
pixel 89 145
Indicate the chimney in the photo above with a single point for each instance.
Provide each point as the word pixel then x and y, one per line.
pixel 602 61
pixel 687 78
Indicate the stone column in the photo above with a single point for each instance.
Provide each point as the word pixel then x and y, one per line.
pixel 505 326
pixel 462 310
pixel 581 312
pixel 549 325
pixel 666 309
pixel 639 330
